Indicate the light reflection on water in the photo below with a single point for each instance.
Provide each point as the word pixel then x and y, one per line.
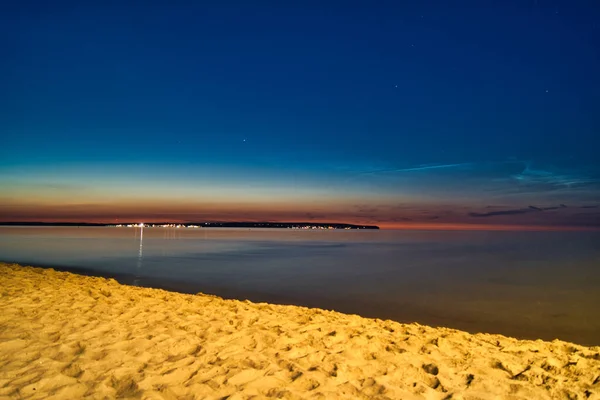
pixel 138 270
pixel 526 284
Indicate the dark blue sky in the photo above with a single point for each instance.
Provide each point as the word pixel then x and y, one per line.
pixel 433 104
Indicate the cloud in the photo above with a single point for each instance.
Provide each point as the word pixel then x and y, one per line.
pixel 595 206
pixel 544 179
pixel 426 167
pixel 553 208
pixel 504 212
pixel 422 167
pixel 530 209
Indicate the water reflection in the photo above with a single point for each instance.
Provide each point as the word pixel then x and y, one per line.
pixel 138 270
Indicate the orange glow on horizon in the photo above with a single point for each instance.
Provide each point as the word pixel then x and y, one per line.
pixel 484 227
pixel 152 211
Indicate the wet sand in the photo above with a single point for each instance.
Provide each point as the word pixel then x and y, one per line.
pixel 73 336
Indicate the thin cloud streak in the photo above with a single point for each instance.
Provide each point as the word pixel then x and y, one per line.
pixel 504 212
pixel 527 210
pixel 418 168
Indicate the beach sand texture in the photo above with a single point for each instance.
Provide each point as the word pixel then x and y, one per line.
pixel 68 336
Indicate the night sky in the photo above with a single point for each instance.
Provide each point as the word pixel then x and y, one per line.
pixel 451 114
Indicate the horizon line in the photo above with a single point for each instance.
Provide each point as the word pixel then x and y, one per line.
pixel 388 226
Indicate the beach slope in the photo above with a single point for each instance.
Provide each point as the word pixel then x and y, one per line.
pixel 71 336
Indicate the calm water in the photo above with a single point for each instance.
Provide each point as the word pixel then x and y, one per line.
pixel 524 284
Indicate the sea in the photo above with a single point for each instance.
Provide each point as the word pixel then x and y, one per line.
pixel 531 285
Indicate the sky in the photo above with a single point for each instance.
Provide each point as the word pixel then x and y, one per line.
pixel 465 114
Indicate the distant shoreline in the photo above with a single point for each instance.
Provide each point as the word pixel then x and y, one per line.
pixel 319 226
pixel 282 225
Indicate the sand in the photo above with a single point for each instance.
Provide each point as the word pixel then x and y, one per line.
pixel 68 336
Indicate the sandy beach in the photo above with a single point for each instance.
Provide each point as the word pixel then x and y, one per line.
pixel 67 336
